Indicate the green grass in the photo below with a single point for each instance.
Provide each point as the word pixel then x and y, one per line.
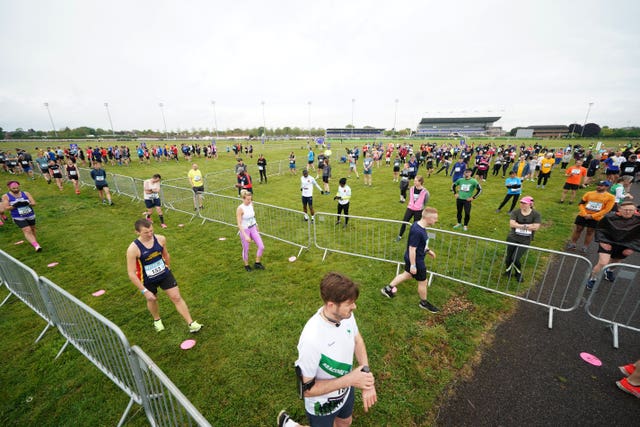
pixel 240 372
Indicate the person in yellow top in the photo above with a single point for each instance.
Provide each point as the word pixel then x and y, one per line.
pixel 546 164
pixel 593 207
pixel 197 184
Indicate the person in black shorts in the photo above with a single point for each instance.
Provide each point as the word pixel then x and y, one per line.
pixel 148 268
pixel 417 249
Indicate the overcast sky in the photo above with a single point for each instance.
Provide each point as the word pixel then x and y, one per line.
pixel 529 61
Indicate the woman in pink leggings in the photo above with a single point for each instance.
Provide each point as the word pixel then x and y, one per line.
pixel 248 227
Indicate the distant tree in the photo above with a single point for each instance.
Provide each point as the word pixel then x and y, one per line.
pixel 513 132
pixel 349 126
pixel 591 130
pixel 575 129
pixel 2 133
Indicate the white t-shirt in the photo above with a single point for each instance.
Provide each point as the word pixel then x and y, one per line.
pixel 326 352
pixel 345 194
pixel 154 187
pixel 307 183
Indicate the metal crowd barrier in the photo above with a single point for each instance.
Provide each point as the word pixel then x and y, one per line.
pixel 22 282
pixel 166 404
pixel 617 303
pixel 371 238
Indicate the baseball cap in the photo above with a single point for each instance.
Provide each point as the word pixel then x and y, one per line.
pixel 607 183
pixel 527 199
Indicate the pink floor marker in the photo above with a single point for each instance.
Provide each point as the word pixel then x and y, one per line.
pixel 52 264
pixel 187 344
pixel 19 242
pixel 590 358
pixel 98 293
pixel 222 238
pixel 292 258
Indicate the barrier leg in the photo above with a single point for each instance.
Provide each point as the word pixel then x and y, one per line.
pixel 5 300
pixel 126 412
pixel 43 331
pixel 614 332
pixel 550 323
pixel 62 349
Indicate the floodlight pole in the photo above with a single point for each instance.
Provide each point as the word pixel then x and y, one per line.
pixel 585 119
pixel 166 134
pixel 309 108
pixel 215 118
pixel 353 105
pixel 55 132
pixel 106 106
pixel 395 118
pixel 264 124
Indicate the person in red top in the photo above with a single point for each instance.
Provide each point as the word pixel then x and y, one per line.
pixel 575 177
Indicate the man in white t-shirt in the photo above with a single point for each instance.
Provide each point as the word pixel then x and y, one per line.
pixel 306 186
pixel 329 340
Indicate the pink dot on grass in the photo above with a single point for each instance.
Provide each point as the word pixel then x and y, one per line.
pixel 52 264
pixel 292 258
pixel 187 344
pixel 98 293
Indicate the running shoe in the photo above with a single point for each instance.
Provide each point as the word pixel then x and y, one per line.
pixel 389 291
pixel 258 266
pixel 246 267
pixel 194 327
pixel 627 387
pixel 158 325
pixel 590 284
pixel 457 226
pixel 465 228
pixel 627 369
pixel 609 275
pixel 283 419
pixel 570 246
pixel 426 305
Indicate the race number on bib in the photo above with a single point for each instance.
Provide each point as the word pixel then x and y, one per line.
pixel 155 269
pixel 594 206
pixel 465 187
pixel 25 210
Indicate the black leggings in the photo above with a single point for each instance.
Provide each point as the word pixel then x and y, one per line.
pixel 466 205
pixel 513 202
pixel 345 209
pixel 543 178
pixel 263 174
pixel 408 214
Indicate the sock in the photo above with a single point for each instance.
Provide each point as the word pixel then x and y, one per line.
pixel 161 219
pixel 35 244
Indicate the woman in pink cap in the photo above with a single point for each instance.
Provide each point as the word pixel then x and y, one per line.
pixel 524 223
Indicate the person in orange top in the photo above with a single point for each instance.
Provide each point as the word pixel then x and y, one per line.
pixel 593 207
pixel 575 177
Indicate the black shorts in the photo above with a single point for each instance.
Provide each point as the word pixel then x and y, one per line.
pixel 568 186
pixel 149 203
pixel 166 283
pixel 325 179
pixel 616 251
pixel 307 201
pixel 421 273
pixel 101 186
pixel 22 223
pixel 198 189
pixel 589 223
pixel 591 172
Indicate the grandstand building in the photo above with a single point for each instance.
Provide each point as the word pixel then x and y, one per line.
pixel 344 133
pixel 549 131
pixel 455 126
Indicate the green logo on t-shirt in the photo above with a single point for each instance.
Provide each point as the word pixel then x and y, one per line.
pixel 333 367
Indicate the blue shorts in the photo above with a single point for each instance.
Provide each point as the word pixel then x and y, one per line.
pixel 327 420
pixel 307 201
pixel 149 203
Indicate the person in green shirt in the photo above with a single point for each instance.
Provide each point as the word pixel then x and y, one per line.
pixel 469 190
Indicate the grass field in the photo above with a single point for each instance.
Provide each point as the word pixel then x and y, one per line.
pixel 240 373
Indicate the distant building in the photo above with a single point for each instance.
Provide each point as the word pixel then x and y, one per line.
pixel 455 126
pixel 549 131
pixel 344 133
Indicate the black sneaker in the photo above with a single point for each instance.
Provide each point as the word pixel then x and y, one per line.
pixel 609 275
pixel 388 291
pixel 246 267
pixel 590 284
pixel 283 417
pixel 258 266
pixel 426 305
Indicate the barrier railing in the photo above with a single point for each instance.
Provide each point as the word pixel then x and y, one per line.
pixel 166 404
pixel 548 278
pixel 22 282
pixel 363 237
pixel 617 303
pixel 97 338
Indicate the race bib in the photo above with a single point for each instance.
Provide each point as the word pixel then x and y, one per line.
pixel 99 178
pixel 260 168
pixel 523 232
pixel 594 206
pixel 456 169
pixel 154 196
pixel 575 171
pixel 73 173
pixel 465 187
pixel 154 269
pixel 25 210
pixel 197 178
pixel 415 197
pixel 629 169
